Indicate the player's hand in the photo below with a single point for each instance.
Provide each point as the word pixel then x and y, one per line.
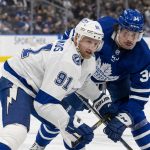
pixel 75 125
pixel 105 106
pixel 117 125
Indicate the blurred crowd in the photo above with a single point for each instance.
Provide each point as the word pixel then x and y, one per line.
pixel 55 16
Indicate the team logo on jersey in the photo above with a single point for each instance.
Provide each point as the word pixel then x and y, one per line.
pixel 103 72
pixel 76 59
pixel 116 56
pixel 117 52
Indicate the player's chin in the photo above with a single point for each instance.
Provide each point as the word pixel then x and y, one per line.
pixel 129 47
pixel 88 56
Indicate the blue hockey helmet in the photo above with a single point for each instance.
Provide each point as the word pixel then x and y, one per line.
pixel 131 20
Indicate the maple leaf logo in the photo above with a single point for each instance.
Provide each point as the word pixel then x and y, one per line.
pixel 104 71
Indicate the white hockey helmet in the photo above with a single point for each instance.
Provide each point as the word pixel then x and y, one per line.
pixel 89 28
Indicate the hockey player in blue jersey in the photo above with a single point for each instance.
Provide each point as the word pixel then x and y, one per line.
pixel 35 82
pixel 124 64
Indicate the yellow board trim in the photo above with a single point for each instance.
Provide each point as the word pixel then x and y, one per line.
pixel 4 58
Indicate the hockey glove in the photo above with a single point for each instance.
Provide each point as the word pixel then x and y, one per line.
pixel 75 125
pixel 117 125
pixel 105 106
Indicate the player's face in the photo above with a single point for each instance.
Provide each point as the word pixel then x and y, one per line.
pixel 127 39
pixel 88 46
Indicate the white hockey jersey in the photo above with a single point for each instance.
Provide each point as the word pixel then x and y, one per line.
pixel 54 70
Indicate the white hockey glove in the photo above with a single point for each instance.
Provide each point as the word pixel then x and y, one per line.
pixel 79 129
pixel 104 105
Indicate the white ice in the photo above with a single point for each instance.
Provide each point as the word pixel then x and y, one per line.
pixel 100 141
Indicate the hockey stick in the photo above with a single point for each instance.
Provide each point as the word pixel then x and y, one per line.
pixel 88 105
pixel 95 126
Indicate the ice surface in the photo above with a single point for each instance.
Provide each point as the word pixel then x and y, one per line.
pixel 100 142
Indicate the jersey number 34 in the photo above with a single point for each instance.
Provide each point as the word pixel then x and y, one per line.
pixel 145 76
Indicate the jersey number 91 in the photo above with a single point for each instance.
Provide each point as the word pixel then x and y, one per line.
pixel 63 80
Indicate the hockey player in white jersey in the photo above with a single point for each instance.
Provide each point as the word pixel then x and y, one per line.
pixel 35 82
pixel 124 62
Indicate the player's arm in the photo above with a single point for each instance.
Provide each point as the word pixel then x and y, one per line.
pixel 48 104
pixel 55 86
pixel 139 92
pixel 68 34
pixel 86 89
pixel 131 112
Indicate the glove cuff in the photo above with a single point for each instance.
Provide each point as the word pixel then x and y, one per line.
pixel 101 101
pixel 125 118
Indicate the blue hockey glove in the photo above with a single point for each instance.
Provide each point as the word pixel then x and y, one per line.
pixel 105 106
pixel 75 125
pixel 117 125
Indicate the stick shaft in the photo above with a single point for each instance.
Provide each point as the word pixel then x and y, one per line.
pixel 99 117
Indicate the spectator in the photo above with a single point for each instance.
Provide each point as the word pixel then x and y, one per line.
pixel 49 19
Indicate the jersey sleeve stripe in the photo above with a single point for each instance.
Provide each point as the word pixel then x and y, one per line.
pixel 21 79
pixel 139 98
pixel 142 135
pixel 44 98
pixel 140 90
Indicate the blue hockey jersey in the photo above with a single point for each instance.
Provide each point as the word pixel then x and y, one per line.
pixel 114 63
